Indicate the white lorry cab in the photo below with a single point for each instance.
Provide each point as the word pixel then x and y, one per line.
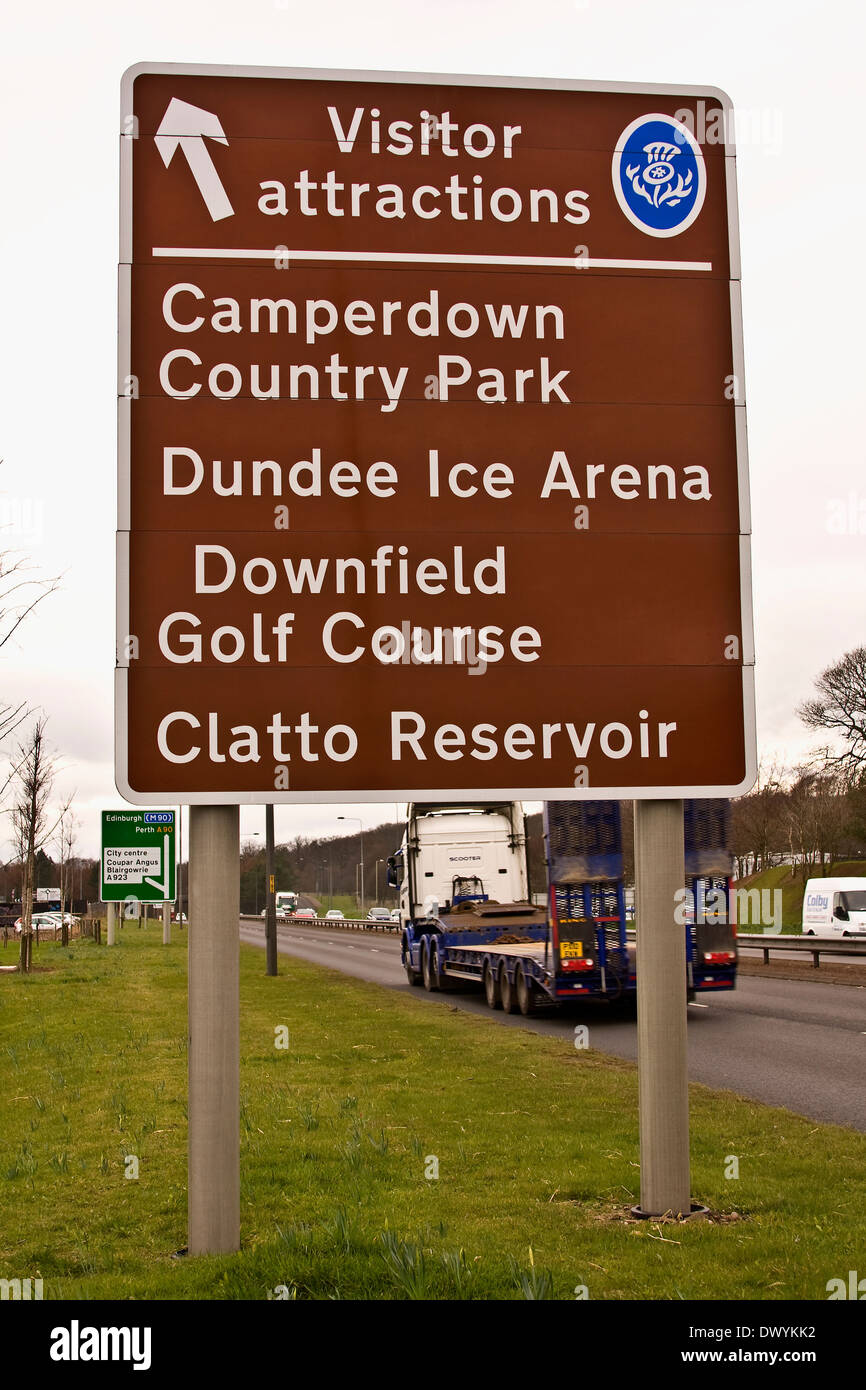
pixel 454 854
pixel 835 907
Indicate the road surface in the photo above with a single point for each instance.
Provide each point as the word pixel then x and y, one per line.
pixel 797 1044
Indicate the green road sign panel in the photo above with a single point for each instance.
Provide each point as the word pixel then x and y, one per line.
pixel 138 856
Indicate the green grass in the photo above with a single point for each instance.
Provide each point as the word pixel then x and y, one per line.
pixel 347 904
pixel 792 885
pixel 536 1145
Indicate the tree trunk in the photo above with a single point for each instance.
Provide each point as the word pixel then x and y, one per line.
pixel 27 914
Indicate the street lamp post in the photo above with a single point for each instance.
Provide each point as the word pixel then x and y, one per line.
pixel 361 824
pixel 179 863
pixel 256 835
pixel 270 895
pixel 326 867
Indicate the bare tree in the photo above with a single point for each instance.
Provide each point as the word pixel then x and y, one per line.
pixel 818 815
pixel 857 814
pixel 20 592
pixel 32 822
pixel 65 840
pixel 840 709
pixel 11 716
pixel 757 821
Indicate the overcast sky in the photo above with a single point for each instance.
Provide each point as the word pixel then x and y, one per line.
pixel 794 71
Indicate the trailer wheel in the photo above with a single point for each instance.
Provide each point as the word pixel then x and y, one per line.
pixel 524 991
pixel 427 970
pixel 506 993
pixel 491 988
pixel 412 976
pixel 440 980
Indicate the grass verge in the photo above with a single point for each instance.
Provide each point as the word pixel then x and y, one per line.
pixel 535 1145
pixel 791 883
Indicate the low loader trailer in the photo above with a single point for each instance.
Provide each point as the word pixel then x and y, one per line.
pixel 457 864
pixel 523 957
pixel 711 934
pixel 527 958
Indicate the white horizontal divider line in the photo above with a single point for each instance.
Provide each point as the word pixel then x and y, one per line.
pixel 425 258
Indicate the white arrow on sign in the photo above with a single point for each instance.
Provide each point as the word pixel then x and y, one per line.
pixel 186 126
pixel 164 883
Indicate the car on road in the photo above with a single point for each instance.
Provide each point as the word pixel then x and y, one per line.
pixel 395 915
pixel 380 915
pixel 334 915
pixel 43 920
pixel 307 914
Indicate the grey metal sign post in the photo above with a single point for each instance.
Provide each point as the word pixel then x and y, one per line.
pixel 214 1030
pixel 663 1079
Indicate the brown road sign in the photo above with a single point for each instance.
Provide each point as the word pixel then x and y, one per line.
pixel 432 468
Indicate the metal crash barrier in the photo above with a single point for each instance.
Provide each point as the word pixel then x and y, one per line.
pixel 811 945
pixel 340 923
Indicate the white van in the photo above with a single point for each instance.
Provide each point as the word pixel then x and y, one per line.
pixel 835 907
